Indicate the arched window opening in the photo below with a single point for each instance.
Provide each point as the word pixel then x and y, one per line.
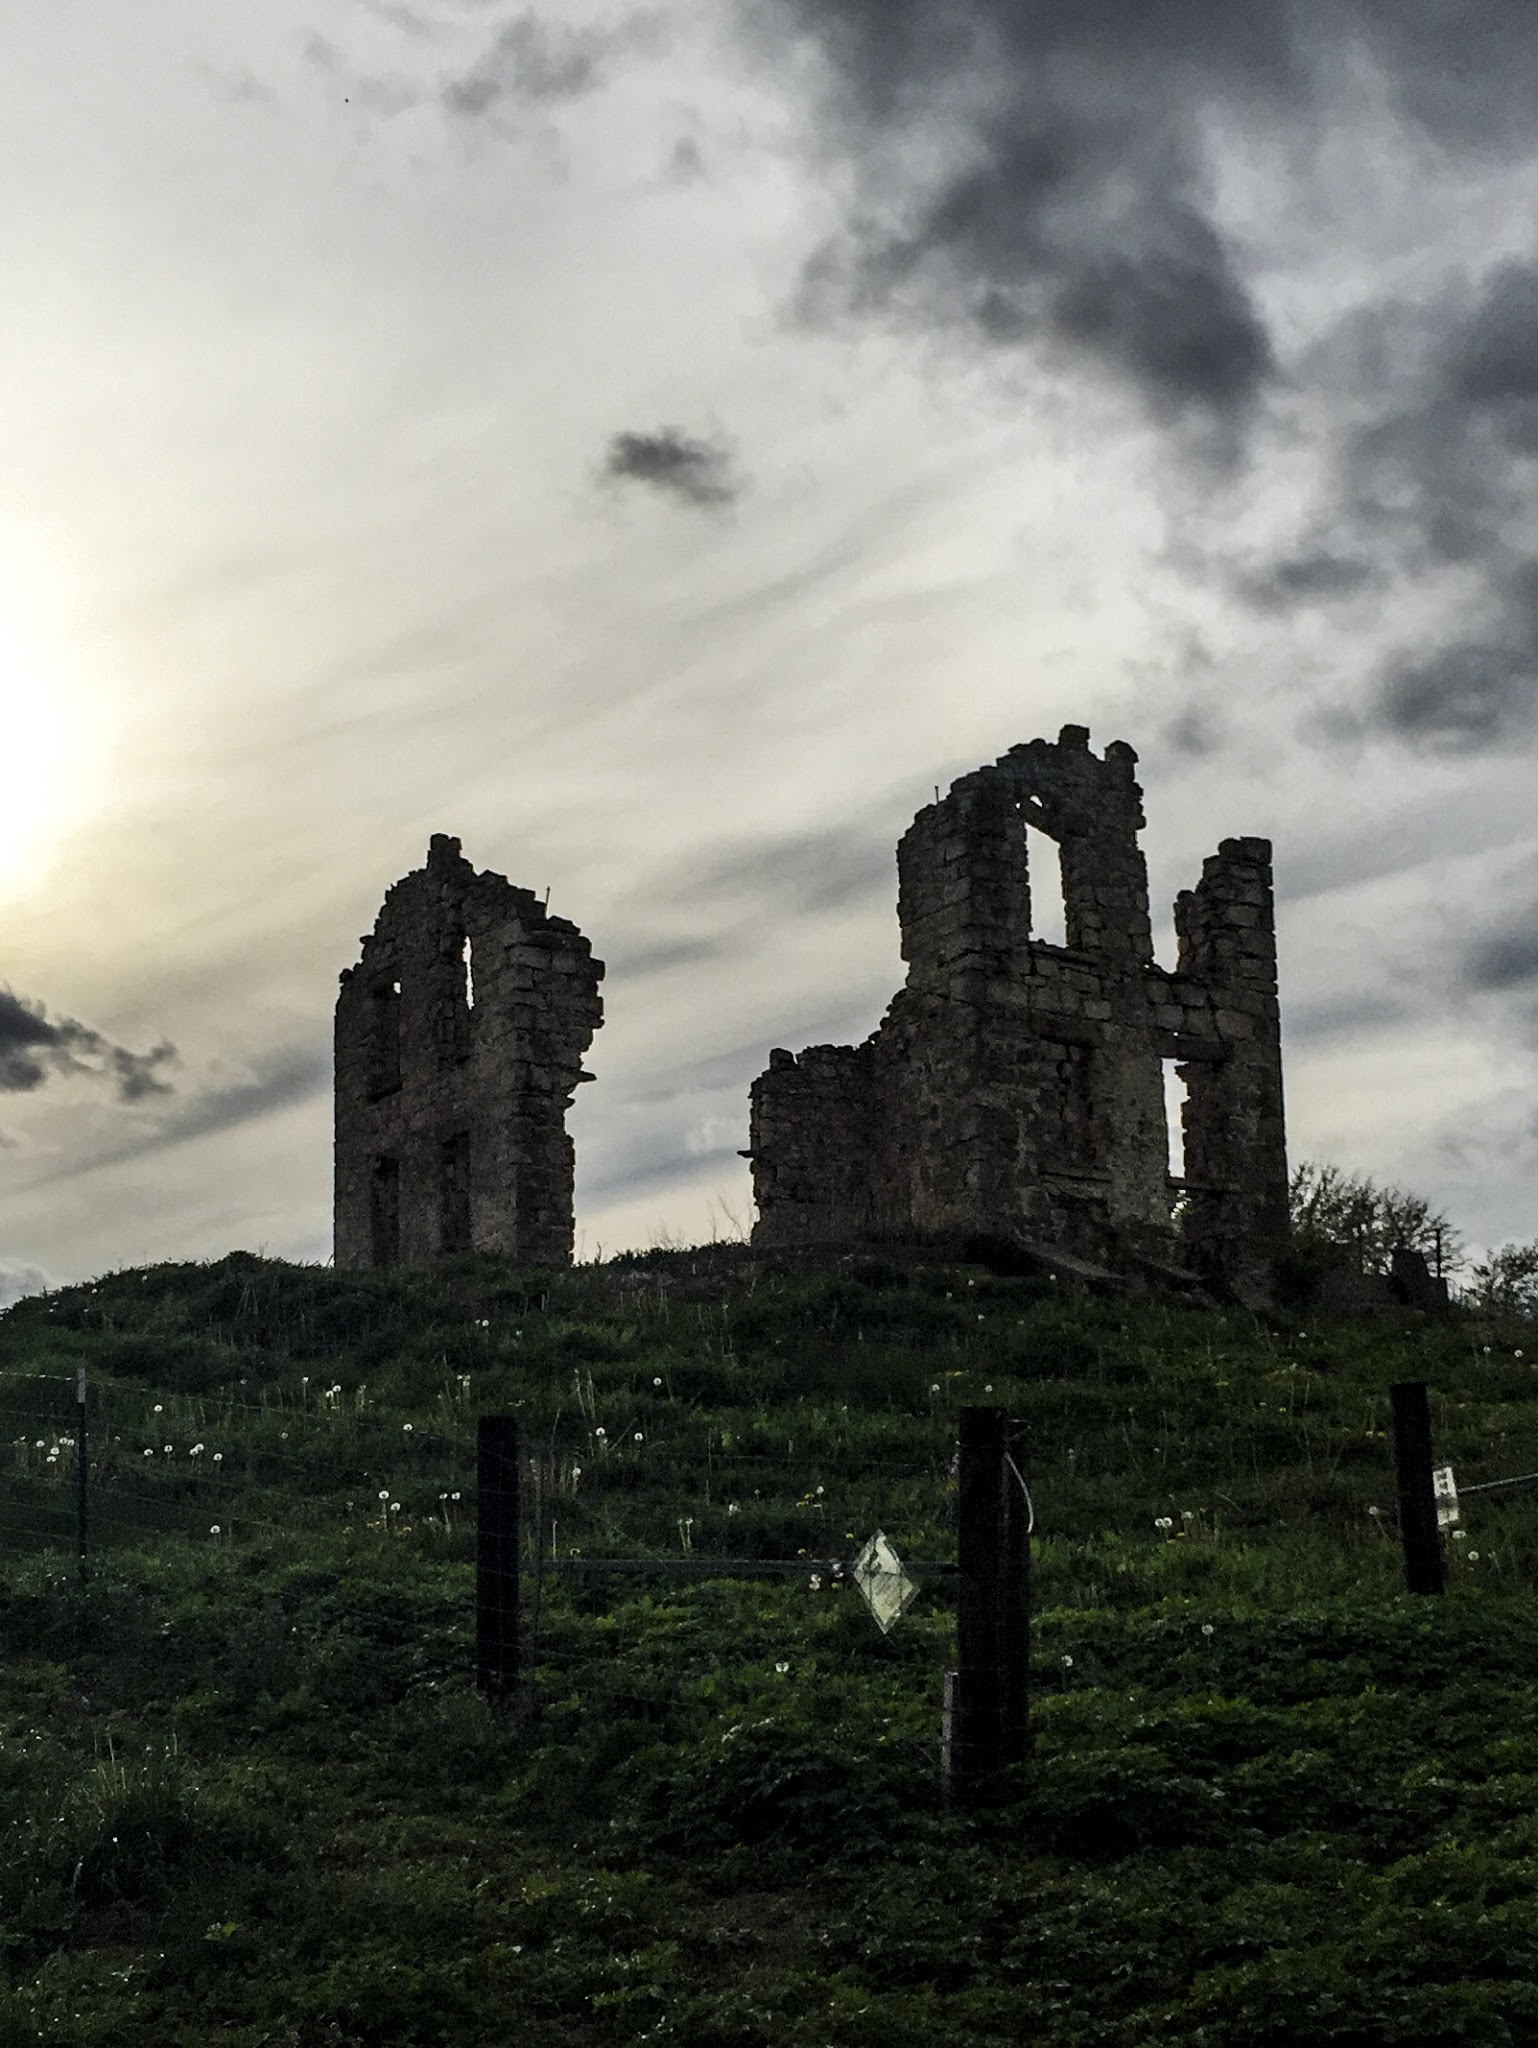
pixel 384 1038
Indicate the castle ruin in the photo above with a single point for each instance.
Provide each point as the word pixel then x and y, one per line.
pixel 1015 1088
pixel 460 1037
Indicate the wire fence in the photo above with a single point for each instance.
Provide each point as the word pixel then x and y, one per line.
pixel 625 1536
pixel 600 1537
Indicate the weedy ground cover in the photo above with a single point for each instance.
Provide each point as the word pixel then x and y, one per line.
pixel 248 1793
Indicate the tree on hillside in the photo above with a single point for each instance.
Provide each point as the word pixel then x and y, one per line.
pixel 1506 1283
pixel 1328 1206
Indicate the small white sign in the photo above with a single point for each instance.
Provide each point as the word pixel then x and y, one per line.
pixel 883 1585
pixel 1446 1496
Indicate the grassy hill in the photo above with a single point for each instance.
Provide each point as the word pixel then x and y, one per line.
pixel 250 1795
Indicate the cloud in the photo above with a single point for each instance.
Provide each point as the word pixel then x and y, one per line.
pixel 528 62
pixel 649 1168
pixel 18 1280
pixel 1306 1023
pixel 1505 954
pixel 1032 177
pixel 795 872
pixel 1195 731
pixel 33 1045
pixel 1465 695
pixel 277 1083
pixel 693 471
pixel 1318 575
pixel 643 957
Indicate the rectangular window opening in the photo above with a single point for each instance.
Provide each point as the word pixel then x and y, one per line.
pixel 469 974
pixel 1176 1097
pixel 454 1193
pixel 384 1049
pixel 385 1212
pixel 1049 913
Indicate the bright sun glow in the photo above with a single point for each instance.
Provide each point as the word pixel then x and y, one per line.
pixel 43 771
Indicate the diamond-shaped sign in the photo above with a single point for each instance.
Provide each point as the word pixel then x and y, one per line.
pixel 883 1585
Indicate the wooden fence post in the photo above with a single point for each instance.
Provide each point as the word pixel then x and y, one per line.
pixel 975 1691
pixel 80 1473
pixel 1418 1532
pixel 496 1557
pixel 1016 1645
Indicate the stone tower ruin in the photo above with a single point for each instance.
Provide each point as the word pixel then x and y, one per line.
pixel 460 1037
pixel 1015 1088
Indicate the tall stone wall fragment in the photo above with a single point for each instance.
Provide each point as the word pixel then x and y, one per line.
pixel 1016 1088
pixel 460 1036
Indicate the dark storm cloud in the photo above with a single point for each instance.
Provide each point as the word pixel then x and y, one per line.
pixel 531 61
pixel 1307 1023
pixel 1066 200
pixel 1464 695
pixel 280 1081
pixel 1504 955
pixel 1197 731
pixel 1038 174
pixel 34 1045
pixel 1435 490
pixel 1316 576
pixel 695 472
pixel 1449 483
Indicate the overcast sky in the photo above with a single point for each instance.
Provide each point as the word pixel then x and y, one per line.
pixel 659 446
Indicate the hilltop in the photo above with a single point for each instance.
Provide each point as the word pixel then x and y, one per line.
pixel 252 1796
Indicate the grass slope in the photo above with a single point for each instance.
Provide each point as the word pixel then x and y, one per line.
pixel 250 1796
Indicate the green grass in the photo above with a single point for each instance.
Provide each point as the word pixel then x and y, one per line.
pixel 249 1794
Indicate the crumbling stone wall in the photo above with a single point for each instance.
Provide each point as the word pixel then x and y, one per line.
pixel 460 1037
pixel 1015 1088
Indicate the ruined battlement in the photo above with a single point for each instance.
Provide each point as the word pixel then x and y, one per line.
pixel 1015 1088
pixel 460 1036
